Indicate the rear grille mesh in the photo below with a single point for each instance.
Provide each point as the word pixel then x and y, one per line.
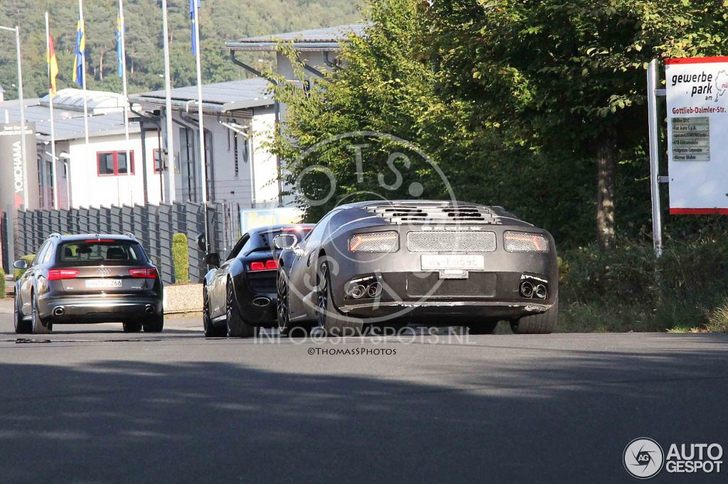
pixel 431 241
pixel 445 213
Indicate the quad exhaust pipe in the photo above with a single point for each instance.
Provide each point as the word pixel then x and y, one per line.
pixel 531 290
pixel 367 287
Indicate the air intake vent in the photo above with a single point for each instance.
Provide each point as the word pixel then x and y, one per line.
pixel 429 241
pixel 433 214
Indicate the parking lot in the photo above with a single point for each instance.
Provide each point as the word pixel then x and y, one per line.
pixel 93 404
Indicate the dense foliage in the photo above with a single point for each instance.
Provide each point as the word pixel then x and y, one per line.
pixel 537 105
pixel 220 20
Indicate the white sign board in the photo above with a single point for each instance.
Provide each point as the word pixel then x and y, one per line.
pixel 697 134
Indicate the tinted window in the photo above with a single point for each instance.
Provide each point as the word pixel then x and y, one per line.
pixel 236 250
pixel 264 240
pixel 97 252
pixel 41 252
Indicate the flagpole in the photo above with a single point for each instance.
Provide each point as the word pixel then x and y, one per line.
pixel 54 163
pixel 169 139
pixel 203 175
pixel 126 100
pixel 83 81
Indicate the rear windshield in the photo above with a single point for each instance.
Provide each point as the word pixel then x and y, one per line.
pixel 265 239
pixel 100 252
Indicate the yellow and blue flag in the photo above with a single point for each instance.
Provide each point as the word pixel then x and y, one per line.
pixel 78 77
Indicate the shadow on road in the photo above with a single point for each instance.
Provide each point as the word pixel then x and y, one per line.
pixel 560 417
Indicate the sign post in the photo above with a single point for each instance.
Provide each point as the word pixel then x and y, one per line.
pixel 652 80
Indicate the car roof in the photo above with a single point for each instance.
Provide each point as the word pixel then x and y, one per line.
pixel 77 237
pixel 272 228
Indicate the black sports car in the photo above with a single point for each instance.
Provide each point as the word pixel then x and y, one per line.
pixel 422 262
pixel 240 293
pixel 89 278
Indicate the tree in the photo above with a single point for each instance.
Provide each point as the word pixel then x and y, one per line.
pixel 570 76
pixel 535 105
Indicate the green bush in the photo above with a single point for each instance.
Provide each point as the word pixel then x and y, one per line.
pixel 27 258
pixel 627 289
pixel 2 283
pixel 181 259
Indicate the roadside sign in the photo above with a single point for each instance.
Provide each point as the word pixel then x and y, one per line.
pixel 697 131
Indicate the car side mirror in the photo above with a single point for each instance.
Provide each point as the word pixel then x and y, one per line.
pixel 212 259
pixel 285 241
pixel 20 264
pixel 201 243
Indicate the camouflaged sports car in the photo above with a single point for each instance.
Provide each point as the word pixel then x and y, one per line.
pixel 422 262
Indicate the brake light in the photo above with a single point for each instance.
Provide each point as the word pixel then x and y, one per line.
pixel 144 273
pixel 268 265
pixel 61 274
pixel 525 242
pixel 99 241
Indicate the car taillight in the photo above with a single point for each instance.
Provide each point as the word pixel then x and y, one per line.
pixel 525 242
pixel 374 242
pixel 61 274
pixel 144 273
pixel 268 265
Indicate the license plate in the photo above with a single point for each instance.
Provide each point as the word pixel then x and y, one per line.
pixel 103 283
pixel 432 262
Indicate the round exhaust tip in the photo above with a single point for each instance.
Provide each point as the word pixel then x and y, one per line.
pixel 58 311
pixel 526 289
pixel 261 301
pixel 540 291
pixel 149 309
pixel 357 291
pixel 374 289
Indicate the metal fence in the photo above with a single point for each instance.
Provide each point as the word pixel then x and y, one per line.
pixel 153 225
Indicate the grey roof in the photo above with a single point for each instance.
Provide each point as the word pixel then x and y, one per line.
pixel 68 123
pixel 97 102
pixel 327 38
pixel 216 98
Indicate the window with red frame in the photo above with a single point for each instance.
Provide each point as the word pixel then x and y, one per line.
pixel 113 163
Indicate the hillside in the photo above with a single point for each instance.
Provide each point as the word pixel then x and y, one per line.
pixel 221 20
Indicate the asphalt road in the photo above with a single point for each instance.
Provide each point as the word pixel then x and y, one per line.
pixel 92 404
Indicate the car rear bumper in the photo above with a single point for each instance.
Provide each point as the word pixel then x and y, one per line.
pixel 443 312
pixel 98 310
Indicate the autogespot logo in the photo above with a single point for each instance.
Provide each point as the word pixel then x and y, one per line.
pixel 643 458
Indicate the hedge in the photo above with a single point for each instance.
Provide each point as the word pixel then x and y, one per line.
pixel 181 259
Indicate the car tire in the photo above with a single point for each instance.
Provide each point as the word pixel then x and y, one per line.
pixel 154 325
pixel 38 325
pixel 285 327
pixel 211 331
pixel 541 323
pixel 132 326
pixel 482 328
pixel 21 326
pixel 236 326
pixel 328 320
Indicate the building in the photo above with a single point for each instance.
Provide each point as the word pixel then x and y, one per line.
pixel 88 175
pixel 239 120
pixel 317 48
